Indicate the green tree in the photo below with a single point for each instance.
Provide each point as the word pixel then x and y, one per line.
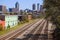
pixel 52 11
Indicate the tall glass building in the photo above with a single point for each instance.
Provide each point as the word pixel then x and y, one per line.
pixel 38 7
pixel 33 7
pixel 17 5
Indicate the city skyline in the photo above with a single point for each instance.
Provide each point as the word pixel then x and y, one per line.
pixel 23 4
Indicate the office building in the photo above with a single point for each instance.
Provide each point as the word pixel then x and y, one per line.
pixel 38 7
pixel 41 8
pixel 14 10
pixel 17 5
pixel 3 9
pixel 33 7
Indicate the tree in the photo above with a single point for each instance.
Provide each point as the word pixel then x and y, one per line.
pixel 52 10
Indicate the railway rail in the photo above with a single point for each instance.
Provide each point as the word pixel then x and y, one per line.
pixel 37 30
pixel 17 31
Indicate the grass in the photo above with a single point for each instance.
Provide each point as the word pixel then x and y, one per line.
pixel 3 32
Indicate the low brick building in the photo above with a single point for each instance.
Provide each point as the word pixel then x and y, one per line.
pixel 29 16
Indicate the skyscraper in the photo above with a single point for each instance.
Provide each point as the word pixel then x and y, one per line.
pixel 41 8
pixel 33 7
pixel 17 5
pixel 3 9
pixel 38 7
pixel 16 8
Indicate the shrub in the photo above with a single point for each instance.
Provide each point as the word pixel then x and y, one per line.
pixel 27 20
pixel 1 27
pixel 8 26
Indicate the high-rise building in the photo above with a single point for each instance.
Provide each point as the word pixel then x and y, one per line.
pixel 38 7
pixel 17 5
pixel 15 10
pixel 3 9
pixel 33 7
pixel 41 8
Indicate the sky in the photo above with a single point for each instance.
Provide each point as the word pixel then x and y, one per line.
pixel 23 4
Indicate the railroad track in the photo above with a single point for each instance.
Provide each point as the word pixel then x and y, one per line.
pixel 30 27
pixel 30 34
pixel 35 31
pixel 35 34
pixel 18 31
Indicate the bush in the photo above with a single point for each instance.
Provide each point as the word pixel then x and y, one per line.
pixel 8 26
pixel 27 20
pixel 1 27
